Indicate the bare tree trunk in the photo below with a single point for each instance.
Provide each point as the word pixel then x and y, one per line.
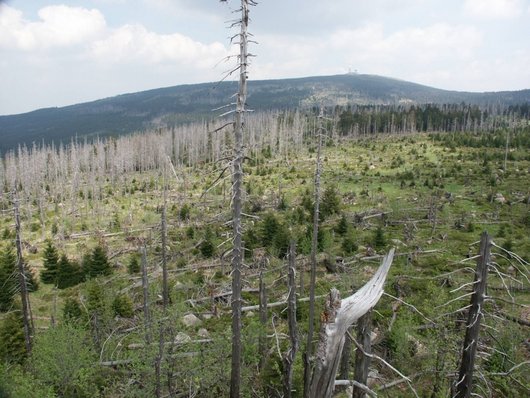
pixel 145 287
pixel 26 311
pixel 288 359
pixel 465 376
pixel 158 361
pixel 337 317
pixel 165 290
pixel 263 322
pixel 362 361
pixel 237 186
pixel 314 243
pixel 344 366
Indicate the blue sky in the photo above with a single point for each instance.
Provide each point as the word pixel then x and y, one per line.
pixel 55 53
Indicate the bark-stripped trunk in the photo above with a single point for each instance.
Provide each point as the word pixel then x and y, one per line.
pixel 314 243
pixel 26 311
pixel 145 287
pixel 165 290
pixel 237 186
pixel 290 355
pixel 362 361
pixel 262 344
pixel 337 317
pixel 465 376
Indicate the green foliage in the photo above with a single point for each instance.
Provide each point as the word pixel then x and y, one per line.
pixel 342 226
pixel 62 357
pixel 133 267
pixel 69 273
pixel 207 247
pixel 71 310
pixel 184 213
pixel 15 383
pixel 348 245
pixel 330 203
pixel 8 278
pixel 98 264
pixel 51 263
pixel 274 235
pixel 13 347
pixel 378 239
pixel 122 305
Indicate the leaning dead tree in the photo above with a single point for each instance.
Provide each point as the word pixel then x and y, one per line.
pixel 337 317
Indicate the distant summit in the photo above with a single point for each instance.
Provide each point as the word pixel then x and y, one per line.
pixel 187 103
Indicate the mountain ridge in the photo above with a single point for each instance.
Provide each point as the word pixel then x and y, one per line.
pixel 166 106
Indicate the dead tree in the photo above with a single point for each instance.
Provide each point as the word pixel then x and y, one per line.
pixel 145 288
pixel 290 355
pixel 262 344
pixel 314 244
pixel 26 310
pixel 464 383
pixel 362 361
pixel 237 201
pixel 165 290
pixel 337 317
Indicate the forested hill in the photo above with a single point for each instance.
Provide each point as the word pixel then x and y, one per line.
pixel 185 103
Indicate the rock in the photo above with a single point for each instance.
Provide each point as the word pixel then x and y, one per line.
pixel 373 376
pixel 203 333
pixel 191 320
pixel 249 314
pixel 499 198
pixel 182 338
pixel 397 242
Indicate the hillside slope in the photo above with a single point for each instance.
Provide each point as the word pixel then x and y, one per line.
pixel 185 103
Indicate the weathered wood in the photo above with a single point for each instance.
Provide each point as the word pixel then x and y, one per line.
pixel 337 317
pixel 24 295
pixel 145 288
pixel 314 243
pixel 263 322
pixel 288 359
pixel 362 361
pixel 237 202
pixel 464 383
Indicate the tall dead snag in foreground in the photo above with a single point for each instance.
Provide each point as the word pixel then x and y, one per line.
pixel 465 376
pixel 26 311
pixel 237 205
pixel 289 356
pixel 337 317
pixel 314 244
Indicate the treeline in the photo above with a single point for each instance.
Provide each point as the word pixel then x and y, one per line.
pixel 373 119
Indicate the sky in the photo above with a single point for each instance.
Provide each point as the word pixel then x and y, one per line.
pixel 57 53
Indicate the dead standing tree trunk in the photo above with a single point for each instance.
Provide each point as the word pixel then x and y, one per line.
pixel 145 288
pixel 314 243
pixel 237 201
pixel 465 376
pixel 337 317
pixel 26 311
pixel 288 359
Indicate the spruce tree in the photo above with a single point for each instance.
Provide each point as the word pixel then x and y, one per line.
pixel 13 348
pixel 71 310
pixel 342 226
pixel 8 279
pixel 330 203
pixel 99 263
pixel 50 263
pixel 68 273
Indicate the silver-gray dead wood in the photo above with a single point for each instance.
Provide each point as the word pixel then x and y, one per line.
pixel 337 317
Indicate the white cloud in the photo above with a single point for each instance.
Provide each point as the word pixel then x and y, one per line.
pixel 59 26
pixel 494 9
pixel 136 43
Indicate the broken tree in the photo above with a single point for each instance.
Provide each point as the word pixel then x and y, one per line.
pixel 337 317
